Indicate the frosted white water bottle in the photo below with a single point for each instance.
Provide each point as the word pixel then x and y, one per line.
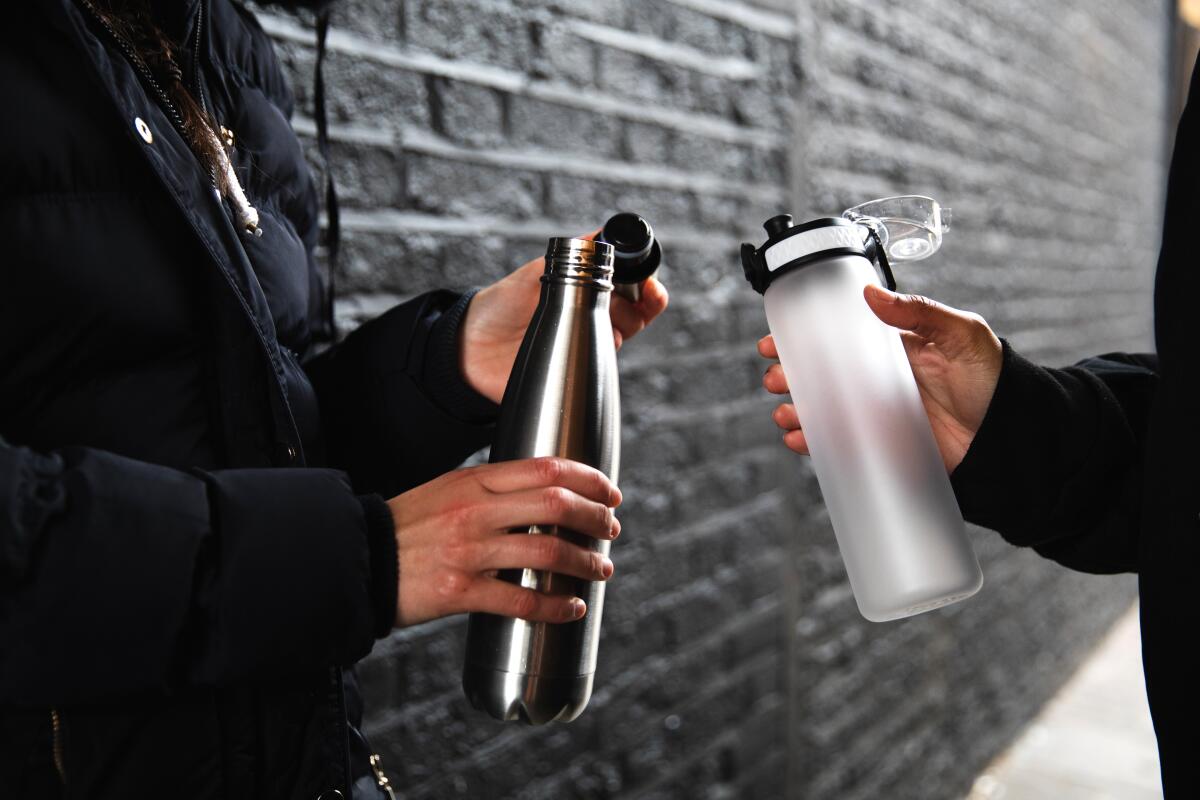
pixel 897 523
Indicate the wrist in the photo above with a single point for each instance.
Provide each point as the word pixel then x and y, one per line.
pixel 470 343
pixel 453 363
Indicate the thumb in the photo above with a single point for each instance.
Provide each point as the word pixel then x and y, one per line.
pixel 926 318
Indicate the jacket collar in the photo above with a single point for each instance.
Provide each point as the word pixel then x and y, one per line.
pixel 171 161
pixel 177 18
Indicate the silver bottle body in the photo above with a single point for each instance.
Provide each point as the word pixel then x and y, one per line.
pixel 562 399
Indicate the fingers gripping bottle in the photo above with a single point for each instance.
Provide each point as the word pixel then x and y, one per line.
pixel 561 400
pixel 897 523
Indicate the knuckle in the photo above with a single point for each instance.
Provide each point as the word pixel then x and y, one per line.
pixel 455 553
pixel 977 323
pixel 461 516
pixel 549 549
pixel 548 468
pixel 524 604
pixel 473 478
pixel 452 585
pixel 921 301
pixel 604 517
pixel 556 501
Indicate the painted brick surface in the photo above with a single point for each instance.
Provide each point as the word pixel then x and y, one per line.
pixel 734 663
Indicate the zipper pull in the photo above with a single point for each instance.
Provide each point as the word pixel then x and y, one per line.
pixel 380 778
pixel 56 728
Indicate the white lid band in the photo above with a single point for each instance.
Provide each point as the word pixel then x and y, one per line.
pixel 805 243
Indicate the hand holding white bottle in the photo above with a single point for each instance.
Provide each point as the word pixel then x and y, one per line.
pixel 955 358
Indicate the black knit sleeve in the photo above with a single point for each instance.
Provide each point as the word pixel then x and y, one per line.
pixel 1057 464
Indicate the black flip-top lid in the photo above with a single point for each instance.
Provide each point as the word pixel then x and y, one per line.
pixel 636 253
pixel 790 247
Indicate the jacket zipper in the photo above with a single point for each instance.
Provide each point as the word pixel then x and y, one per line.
pixel 132 56
pixel 196 72
pixel 143 70
pixel 56 727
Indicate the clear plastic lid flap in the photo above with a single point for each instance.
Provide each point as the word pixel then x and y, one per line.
pixel 909 226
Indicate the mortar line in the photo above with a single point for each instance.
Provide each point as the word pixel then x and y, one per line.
pixel 423 142
pixel 777 26
pixel 397 222
pixel 518 83
pixel 656 49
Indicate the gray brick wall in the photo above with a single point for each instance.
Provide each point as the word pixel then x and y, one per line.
pixel 734 663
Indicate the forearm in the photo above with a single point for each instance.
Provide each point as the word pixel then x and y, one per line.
pixel 394 407
pixel 1057 462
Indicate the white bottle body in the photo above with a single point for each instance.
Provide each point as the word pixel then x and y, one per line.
pixel 898 525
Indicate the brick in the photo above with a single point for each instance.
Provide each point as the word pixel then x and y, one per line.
pixel 630 76
pixel 485 31
pixel 566 200
pixel 380 263
pixel 367 175
pixel 369 18
pixel 463 112
pixel 557 128
pixel 457 188
pixel 366 92
pixel 647 143
pixel 561 56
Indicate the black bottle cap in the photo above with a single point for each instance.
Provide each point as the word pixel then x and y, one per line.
pixel 636 253
pixel 777 224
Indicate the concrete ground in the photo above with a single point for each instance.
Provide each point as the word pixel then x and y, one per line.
pixel 1092 741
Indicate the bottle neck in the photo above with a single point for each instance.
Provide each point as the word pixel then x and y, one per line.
pixel 579 262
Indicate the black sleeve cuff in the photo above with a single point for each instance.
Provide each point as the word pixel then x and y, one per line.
pixel 441 376
pixel 1040 462
pixel 385 570
pixel 286 583
pixel 979 480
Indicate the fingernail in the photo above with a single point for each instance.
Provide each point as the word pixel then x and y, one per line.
pixel 606 569
pixel 577 608
pixel 615 497
pixel 615 530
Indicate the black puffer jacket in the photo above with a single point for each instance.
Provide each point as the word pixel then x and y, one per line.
pixel 181 579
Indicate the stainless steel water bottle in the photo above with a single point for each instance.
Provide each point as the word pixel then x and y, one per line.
pixel 561 400
pixel 897 523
